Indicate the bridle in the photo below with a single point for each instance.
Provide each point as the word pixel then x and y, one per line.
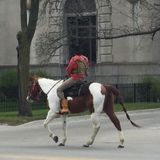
pixel 38 90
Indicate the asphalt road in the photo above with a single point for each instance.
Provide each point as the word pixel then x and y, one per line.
pixel 31 141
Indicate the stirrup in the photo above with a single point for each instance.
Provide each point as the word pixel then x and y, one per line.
pixel 64 111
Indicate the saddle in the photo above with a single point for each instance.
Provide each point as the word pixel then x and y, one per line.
pixel 77 90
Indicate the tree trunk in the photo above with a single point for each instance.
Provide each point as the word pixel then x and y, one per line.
pixel 24 38
pixel 23 51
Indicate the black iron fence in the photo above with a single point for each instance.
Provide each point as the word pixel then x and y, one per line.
pixel 130 92
pixel 9 105
pixel 136 92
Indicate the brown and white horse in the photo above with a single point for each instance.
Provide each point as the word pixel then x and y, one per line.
pixel 98 98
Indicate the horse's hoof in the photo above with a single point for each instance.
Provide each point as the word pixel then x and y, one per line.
pixel 86 145
pixel 120 146
pixel 55 138
pixel 61 144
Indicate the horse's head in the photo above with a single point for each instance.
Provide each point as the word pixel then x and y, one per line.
pixel 34 89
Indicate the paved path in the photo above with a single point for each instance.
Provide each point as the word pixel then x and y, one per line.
pixel 31 142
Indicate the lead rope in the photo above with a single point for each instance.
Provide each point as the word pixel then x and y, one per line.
pixel 53 86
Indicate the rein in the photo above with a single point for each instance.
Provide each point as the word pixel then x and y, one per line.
pixel 53 87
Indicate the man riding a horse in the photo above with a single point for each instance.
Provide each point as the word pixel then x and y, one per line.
pixel 77 72
pixel 94 97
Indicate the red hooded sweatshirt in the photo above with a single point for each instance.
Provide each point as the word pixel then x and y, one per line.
pixel 72 68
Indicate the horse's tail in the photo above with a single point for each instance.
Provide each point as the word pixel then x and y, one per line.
pixel 120 99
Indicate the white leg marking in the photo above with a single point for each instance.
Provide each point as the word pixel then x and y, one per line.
pixel 121 137
pixel 64 124
pixel 50 116
pixel 96 127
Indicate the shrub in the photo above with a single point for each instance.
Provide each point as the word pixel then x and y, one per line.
pixel 40 74
pixel 8 84
pixel 154 84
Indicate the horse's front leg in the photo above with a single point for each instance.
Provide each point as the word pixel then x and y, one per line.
pixel 96 127
pixel 50 116
pixel 64 127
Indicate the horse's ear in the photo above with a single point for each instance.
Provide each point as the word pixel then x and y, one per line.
pixel 34 77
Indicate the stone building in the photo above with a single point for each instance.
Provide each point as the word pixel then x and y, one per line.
pixel 121 60
pixel 9 26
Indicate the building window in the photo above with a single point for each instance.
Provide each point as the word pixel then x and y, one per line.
pixel 82 32
pixel 81 27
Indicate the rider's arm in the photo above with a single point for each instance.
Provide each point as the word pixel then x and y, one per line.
pixel 71 66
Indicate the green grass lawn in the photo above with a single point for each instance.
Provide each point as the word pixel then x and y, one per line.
pixel 11 118
pixel 137 106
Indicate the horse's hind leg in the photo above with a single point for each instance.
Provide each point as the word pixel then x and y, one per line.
pixel 109 110
pixel 96 127
pixel 50 116
pixel 116 122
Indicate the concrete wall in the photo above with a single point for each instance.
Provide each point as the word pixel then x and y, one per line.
pixel 133 49
pixel 9 26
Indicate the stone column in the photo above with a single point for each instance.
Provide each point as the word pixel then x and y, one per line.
pixel 104 30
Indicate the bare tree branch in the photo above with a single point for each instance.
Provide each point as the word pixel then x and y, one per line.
pixel 153 32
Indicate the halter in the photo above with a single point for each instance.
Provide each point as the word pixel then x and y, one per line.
pixel 35 81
